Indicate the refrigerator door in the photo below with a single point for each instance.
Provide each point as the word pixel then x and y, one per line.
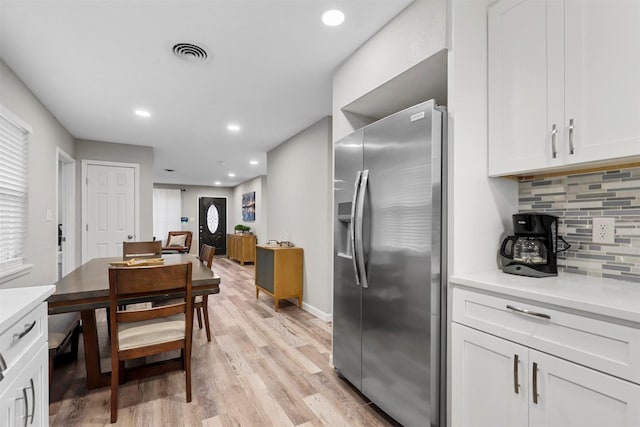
pixel 347 354
pixel 402 257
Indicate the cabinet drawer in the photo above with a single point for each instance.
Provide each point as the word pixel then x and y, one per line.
pixel 22 336
pixel 605 346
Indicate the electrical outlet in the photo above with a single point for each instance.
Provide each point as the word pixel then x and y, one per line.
pixel 604 230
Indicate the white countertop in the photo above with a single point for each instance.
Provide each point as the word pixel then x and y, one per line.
pixel 606 297
pixel 16 302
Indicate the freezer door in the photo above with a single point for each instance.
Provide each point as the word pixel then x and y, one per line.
pixel 347 354
pixel 402 252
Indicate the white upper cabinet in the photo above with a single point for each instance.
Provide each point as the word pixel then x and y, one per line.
pixel 564 84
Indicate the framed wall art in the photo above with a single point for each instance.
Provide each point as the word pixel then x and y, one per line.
pixel 249 206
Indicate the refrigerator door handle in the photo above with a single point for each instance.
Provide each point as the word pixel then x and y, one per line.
pixel 352 234
pixel 359 228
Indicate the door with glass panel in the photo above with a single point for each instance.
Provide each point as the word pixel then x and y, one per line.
pixel 212 220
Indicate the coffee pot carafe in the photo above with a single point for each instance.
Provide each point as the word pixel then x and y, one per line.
pixel 532 250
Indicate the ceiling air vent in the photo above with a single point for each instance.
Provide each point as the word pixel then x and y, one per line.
pixel 191 53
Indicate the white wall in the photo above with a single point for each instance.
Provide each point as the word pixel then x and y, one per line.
pixel 259 226
pixel 48 133
pixel 190 205
pixel 480 207
pixel 299 205
pixel 414 35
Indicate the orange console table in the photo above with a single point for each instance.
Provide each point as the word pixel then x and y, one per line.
pixel 278 272
pixel 241 247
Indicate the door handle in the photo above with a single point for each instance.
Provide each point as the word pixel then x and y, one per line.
pixel 352 234
pixel 359 229
pixel 554 134
pixel 535 382
pixel 130 236
pixel 516 386
pixel 571 129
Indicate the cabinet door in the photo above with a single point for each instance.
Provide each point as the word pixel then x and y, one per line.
pixel 484 375
pixel 602 79
pixel 264 269
pixel 525 85
pixel 26 402
pixel 571 395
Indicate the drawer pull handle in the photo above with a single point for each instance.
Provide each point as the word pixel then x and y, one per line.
pixel 27 329
pixel 516 386
pixel 535 383
pixel 529 312
pixel 3 366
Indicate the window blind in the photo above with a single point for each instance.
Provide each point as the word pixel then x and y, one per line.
pixel 13 189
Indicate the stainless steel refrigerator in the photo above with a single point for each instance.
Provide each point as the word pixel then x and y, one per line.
pixel 389 283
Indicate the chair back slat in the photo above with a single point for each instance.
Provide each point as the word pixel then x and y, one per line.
pixel 206 255
pixel 130 249
pixel 148 279
pixel 151 313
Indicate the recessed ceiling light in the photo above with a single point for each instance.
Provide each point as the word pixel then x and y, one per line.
pixel 231 174
pixel 253 162
pixel 233 127
pixel 142 113
pixel 333 17
pixel 217 183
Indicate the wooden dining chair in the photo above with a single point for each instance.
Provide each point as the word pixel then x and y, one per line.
pixel 130 249
pixel 200 304
pixel 150 330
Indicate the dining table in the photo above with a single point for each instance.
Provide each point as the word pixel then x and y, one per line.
pixel 86 289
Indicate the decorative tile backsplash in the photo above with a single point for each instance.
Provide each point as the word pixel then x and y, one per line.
pixel 576 200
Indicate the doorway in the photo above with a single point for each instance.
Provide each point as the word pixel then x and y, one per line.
pixel 212 222
pixel 110 210
pixel 66 218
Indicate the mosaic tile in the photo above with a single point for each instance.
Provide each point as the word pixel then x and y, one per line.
pixel 578 198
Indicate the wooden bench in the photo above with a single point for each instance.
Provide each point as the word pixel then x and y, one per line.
pixel 64 329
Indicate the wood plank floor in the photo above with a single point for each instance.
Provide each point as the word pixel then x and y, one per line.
pixel 261 368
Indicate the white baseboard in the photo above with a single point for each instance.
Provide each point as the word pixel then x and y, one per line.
pixel 327 317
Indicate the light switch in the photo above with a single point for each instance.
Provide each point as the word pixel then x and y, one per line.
pixel 48 215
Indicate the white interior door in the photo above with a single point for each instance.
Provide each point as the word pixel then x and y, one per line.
pixel 110 209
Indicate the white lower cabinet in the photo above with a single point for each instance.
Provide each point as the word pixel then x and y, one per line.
pixel 572 395
pixel 26 400
pixel 521 363
pixel 494 382
pixel 24 357
pixel 483 389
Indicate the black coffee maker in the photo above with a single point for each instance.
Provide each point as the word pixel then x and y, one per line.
pixel 532 250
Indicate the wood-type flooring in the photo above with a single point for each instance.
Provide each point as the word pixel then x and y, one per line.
pixel 261 368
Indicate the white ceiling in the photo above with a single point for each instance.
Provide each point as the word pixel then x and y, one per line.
pixel 93 62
